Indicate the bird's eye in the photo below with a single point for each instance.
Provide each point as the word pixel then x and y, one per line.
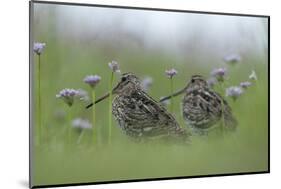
pixel 192 80
pixel 124 79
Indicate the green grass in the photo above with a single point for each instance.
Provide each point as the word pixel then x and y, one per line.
pixel 64 65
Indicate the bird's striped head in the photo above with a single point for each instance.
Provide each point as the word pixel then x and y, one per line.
pixel 197 81
pixel 127 83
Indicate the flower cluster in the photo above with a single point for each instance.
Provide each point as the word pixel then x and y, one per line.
pixel 68 95
pixel 38 47
pixel 114 66
pixel 234 92
pixel 171 73
pixel 219 74
pixel 92 80
pixel 245 84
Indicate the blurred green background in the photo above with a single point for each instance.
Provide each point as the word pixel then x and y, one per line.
pixel 75 48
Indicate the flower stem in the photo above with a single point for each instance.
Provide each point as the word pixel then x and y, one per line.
pixel 172 90
pixel 80 137
pixel 69 127
pixel 94 118
pixel 110 108
pixel 39 100
pixel 222 110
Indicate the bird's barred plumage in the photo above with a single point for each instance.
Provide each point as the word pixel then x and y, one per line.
pixel 203 108
pixel 140 116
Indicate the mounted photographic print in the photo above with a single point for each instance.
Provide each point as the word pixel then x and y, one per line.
pixel 120 94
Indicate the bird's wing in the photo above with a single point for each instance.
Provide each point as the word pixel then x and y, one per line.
pixel 229 119
pixel 158 120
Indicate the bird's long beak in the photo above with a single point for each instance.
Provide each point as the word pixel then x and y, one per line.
pixel 97 101
pixel 173 95
pixel 104 96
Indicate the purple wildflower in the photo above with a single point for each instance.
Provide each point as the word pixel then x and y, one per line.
pixel 171 73
pixel 245 84
pixel 68 95
pixel 219 74
pixel 234 92
pixel 114 66
pixel 38 47
pixel 92 80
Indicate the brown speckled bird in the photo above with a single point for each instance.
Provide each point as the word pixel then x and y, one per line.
pixel 139 115
pixel 203 108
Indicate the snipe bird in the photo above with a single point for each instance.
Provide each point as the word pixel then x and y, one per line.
pixel 203 108
pixel 139 115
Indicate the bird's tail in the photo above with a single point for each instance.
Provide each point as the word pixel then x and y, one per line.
pixel 230 122
pixel 183 135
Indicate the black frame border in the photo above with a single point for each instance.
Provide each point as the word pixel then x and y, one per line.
pixel 31 2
